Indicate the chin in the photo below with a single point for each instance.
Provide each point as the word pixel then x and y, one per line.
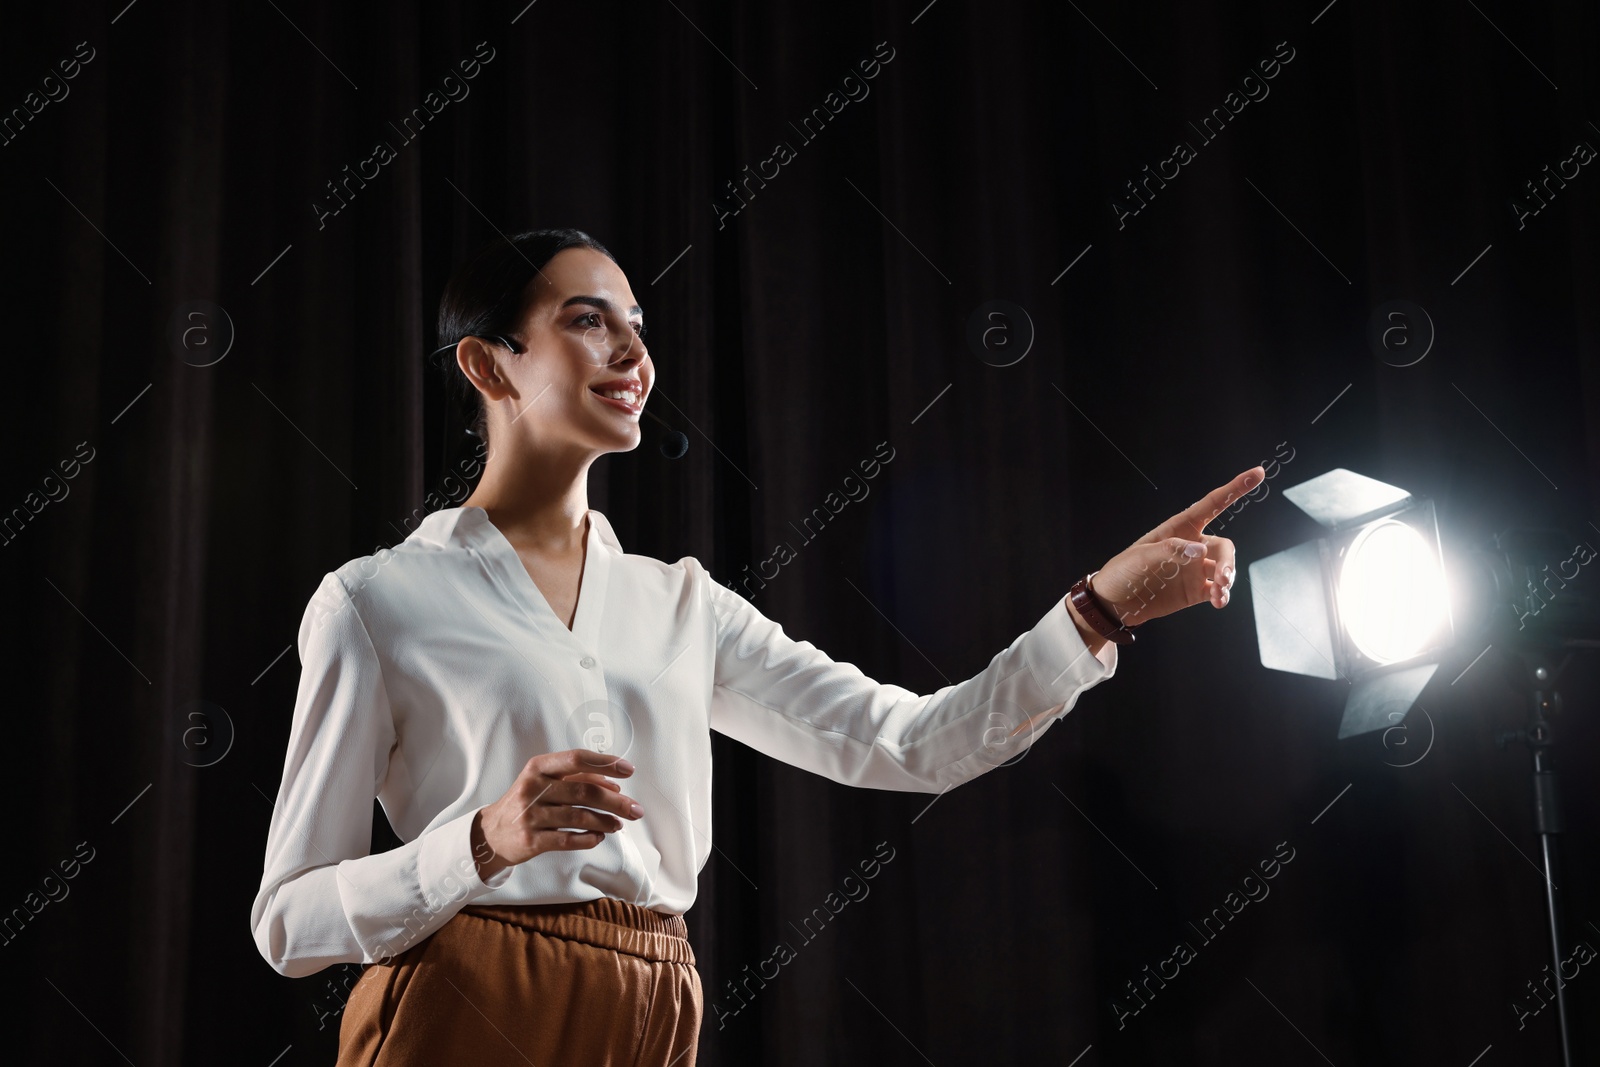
pixel 626 443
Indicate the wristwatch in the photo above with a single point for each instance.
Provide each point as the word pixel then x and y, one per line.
pixel 1096 614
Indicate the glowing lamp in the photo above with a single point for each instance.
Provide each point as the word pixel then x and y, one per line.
pixel 1368 602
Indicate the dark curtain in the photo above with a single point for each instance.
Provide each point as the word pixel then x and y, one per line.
pixel 184 194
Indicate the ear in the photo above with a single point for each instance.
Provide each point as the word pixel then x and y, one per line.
pixel 479 361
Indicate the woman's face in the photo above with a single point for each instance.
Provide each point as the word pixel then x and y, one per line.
pixel 582 337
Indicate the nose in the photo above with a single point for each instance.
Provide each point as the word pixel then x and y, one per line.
pixel 632 347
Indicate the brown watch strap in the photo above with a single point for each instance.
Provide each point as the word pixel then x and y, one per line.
pixel 1096 614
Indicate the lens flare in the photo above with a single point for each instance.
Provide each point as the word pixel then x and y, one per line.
pixel 1392 592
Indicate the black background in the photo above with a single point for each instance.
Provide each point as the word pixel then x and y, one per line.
pixel 828 315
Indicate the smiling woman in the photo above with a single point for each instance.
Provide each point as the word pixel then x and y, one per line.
pixel 488 682
pixel 488 299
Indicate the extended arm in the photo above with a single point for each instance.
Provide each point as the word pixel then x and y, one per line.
pixel 790 700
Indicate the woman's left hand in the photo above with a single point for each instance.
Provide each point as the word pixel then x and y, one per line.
pixel 1177 564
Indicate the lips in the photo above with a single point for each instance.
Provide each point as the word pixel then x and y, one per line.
pixel 629 396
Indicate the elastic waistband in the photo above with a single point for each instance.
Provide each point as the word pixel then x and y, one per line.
pixel 605 922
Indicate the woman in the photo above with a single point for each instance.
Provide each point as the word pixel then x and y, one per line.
pixel 490 678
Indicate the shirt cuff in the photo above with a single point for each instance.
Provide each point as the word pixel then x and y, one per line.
pixel 1060 661
pixel 446 869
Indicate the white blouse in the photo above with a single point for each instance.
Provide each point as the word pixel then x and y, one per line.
pixel 431 672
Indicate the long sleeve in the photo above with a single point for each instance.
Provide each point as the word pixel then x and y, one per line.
pixel 323 898
pixel 789 700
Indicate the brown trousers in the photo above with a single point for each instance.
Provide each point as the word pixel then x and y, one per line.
pixel 601 983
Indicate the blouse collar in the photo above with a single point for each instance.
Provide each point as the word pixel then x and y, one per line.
pixel 463 526
pixel 469 528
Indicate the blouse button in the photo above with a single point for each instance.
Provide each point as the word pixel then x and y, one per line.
pixel 586 662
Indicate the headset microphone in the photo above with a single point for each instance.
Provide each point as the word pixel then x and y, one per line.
pixel 676 442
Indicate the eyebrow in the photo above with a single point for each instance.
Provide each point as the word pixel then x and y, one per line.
pixel 600 302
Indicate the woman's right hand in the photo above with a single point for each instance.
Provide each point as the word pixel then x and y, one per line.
pixel 552 791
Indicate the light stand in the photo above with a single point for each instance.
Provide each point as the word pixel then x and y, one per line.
pixel 1539 736
pixel 1555 619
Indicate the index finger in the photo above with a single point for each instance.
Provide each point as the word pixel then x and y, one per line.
pixel 579 760
pixel 1192 520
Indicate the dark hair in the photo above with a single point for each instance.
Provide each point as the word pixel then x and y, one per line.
pixel 486 295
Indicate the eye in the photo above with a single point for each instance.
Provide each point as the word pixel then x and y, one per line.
pixel 592 319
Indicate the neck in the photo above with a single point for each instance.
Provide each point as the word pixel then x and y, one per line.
pixel 535 498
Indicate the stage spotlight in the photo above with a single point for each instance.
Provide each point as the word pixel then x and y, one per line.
pixel 1368 602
